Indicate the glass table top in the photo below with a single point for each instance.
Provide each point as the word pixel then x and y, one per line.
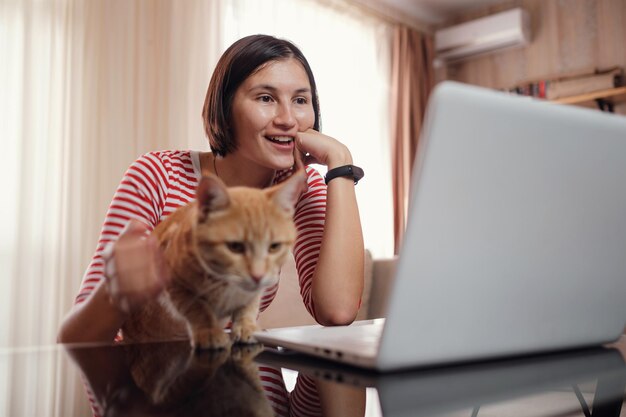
pixel 170 379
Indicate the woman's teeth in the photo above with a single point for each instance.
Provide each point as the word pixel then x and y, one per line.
pixel 280 139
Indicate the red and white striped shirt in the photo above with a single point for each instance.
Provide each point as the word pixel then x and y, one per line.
pixel 158 183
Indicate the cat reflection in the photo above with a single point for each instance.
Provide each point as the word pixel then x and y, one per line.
pixel 180 381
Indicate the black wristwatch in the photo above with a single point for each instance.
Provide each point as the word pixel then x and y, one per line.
pixel 351 171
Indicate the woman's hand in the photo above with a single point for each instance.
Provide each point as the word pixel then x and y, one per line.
pixel 139 273
pixel 337 281
pixel 135 272
pixel 318 148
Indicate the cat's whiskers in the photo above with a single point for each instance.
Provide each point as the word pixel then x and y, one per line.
pixel 205 267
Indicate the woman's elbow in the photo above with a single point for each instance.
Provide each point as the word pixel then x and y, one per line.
pixel 68 331
pixel 63 335
pixel 337 317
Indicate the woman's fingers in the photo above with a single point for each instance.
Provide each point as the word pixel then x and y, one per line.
pixel 298 158
pixel 162 271
pixel 321 149
pixel 134 227
pixel 141 271
pixel 301 159
pixel 310 159
pixel 313 146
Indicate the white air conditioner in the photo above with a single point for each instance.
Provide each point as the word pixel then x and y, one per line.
pixel 487 34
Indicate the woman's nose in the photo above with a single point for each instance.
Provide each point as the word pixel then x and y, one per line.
pixel 285 116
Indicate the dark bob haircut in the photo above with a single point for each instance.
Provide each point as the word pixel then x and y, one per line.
pixel 241 60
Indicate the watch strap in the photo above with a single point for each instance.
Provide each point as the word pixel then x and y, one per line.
pixel 351 171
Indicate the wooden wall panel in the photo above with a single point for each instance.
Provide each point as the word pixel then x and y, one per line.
pixel 567 36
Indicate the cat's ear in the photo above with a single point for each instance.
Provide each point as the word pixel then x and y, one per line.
pixel 286 194
pixel 211 195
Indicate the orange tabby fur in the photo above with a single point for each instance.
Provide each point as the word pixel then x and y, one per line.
pixel 223 250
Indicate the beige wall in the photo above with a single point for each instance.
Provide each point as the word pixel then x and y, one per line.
pixel 567 36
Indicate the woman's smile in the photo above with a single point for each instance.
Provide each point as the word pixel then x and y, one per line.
pixel 269 109
pixel 282 143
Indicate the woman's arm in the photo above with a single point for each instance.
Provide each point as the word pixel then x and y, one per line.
pixel 337 282
pixel 139 277
pixel 101 309
pixel 94 320
pixel 340 399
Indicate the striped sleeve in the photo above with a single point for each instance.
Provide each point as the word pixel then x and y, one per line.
pixel 96 407
pixel 309 218
pixel 275 391
pixel 301 402
pixel 304 400
pixel 141 195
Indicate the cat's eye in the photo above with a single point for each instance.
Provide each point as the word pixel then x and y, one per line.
pixel 275 247
pixel 236 247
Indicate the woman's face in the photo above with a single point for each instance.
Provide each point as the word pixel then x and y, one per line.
pixel 268 109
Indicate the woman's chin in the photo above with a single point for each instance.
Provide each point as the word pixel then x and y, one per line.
pixel 284 163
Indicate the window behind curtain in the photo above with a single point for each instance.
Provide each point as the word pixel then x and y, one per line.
pixel 350 58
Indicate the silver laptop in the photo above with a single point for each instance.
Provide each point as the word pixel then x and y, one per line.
pixel 515 243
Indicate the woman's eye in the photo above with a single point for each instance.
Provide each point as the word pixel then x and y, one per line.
pixel 275 247
pixel 265 98
pixel 236 247
pixel 301 100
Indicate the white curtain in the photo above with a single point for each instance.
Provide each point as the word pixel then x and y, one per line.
pixel 349 53
pixel 87 86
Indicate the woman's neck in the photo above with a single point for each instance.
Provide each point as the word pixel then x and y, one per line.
pixel 236 171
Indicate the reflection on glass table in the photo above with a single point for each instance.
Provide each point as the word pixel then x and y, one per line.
pixel 585 383
pixel 170 379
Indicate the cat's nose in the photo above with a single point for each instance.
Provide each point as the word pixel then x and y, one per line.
pixel 256 277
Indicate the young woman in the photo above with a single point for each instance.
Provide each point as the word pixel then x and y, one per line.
pixel 261 116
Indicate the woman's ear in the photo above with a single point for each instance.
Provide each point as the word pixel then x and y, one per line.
pixel 211 195
pixel 286 195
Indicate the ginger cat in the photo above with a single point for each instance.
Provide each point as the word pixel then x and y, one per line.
pixel 223 250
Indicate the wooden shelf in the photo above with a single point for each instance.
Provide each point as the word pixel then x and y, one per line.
pixel 614 94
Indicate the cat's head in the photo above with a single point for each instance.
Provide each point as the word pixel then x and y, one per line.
pixel 244 235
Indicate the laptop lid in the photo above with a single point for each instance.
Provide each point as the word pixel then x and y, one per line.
pixel 516 238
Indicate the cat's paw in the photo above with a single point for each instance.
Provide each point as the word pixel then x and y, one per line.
pixel 246 353
pixel 243 332
pixel 210 339
pixel 208 360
